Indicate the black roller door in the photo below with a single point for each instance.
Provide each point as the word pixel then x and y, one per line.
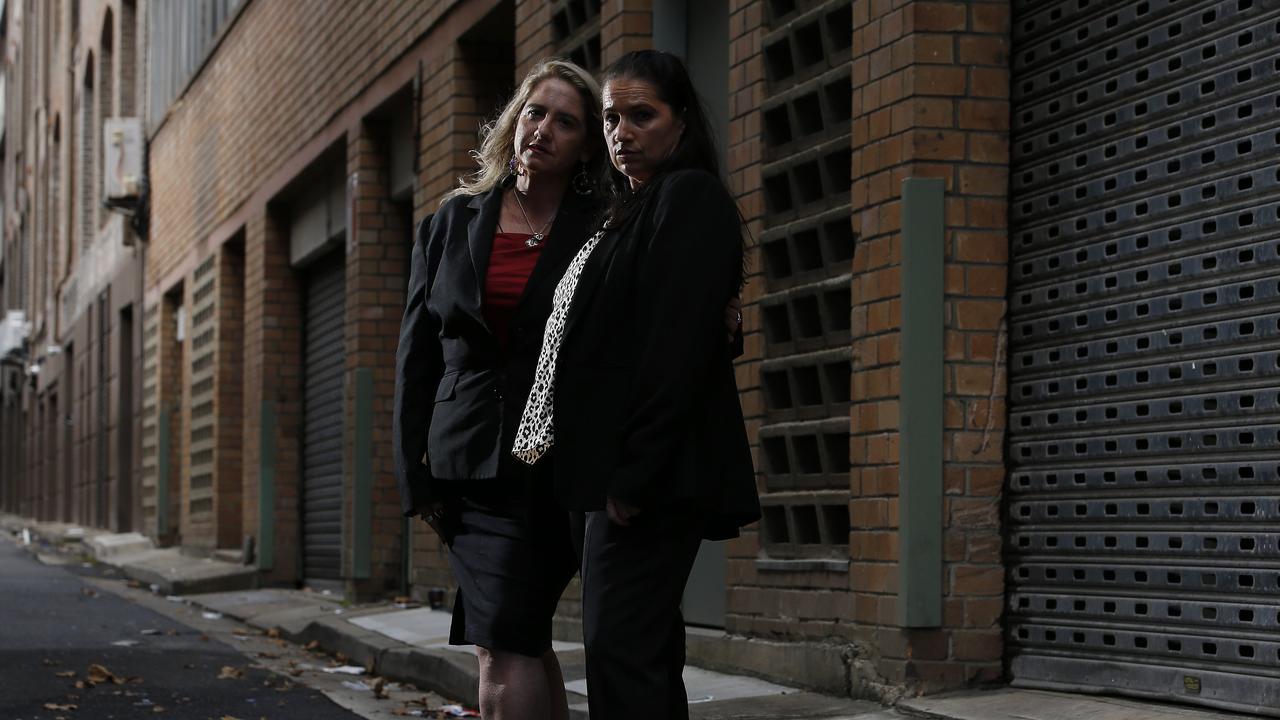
pixel 323 415
pixel 1144 371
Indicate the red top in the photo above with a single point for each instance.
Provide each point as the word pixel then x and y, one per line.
pixel 510 265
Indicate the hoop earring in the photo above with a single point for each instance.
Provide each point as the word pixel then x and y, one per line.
pixel 582 181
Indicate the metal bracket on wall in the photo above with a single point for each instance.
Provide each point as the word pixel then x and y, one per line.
pixel 921 402
pixel 267 488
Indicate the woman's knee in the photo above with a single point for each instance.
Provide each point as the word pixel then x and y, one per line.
pixel 504 663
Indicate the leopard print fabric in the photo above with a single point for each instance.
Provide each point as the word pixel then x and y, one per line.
pixel 536 433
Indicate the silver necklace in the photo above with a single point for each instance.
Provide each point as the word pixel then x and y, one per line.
pixel 538 235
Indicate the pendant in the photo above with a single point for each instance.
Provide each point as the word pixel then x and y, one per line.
pixel 534 240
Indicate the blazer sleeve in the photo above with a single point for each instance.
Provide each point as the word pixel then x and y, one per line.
pixel 419 365
pixel 691 264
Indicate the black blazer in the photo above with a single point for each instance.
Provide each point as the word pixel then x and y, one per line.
pixel 458 395
pixel 646 401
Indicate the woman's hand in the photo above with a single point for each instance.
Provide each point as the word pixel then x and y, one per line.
pixel 433 513
pixel 733 316
pixel 620 513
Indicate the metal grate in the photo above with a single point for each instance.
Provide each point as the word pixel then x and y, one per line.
pixel 1143 508
pixel 150 413
pixel 575 30
pixel 807 251
pixel 323 411
pixel 203 354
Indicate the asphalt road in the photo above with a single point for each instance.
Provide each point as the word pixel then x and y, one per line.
pixel 55 626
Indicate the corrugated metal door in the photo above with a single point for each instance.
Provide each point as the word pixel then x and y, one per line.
pixel 1145 411
pixel 322 422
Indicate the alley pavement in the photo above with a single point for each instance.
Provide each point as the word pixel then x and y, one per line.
pixel 53 623
pixel 71 650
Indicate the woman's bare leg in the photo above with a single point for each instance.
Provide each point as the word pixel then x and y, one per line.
pixel 557 700
pixel 513 686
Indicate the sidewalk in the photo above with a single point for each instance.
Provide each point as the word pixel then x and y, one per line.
pixel 410 644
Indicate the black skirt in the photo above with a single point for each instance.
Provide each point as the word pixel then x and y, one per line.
pixel 512 554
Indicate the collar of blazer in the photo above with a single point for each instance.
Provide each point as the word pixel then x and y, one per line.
pixel 567 235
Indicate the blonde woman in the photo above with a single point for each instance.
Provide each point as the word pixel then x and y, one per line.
pixel 484 269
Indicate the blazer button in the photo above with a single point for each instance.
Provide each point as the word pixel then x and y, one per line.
pixel 497 393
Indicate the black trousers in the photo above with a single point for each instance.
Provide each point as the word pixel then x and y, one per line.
pixel 633 580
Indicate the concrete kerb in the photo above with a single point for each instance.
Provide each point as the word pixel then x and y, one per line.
pixel 169 572
pixel 304 620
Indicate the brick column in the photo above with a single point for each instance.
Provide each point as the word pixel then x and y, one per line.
pixel 746 86
pixel 272 387
pixel 625 25
pixel 534 38
pixel 930 99
pixel 448 121
pixel 228 503
pixel 377 250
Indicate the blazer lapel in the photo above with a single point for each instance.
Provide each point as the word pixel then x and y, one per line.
pixel 567 236
pixel 480 236
pixel 593 273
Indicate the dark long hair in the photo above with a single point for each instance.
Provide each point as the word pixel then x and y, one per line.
pixel 696 148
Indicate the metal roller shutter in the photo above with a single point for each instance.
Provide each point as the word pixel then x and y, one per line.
pixel 1144 405
pixel 323 415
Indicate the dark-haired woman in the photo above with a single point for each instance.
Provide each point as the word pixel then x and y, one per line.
pixel 635 392
pixel 483 271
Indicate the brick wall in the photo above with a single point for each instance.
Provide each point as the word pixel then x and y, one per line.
pixel 228 397
pixel 377 253
pixel 272 383
pixel 450 118
pixel 746 85
pixel 237 127
pixel 930 100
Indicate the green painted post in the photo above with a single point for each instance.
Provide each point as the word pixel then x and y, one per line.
pixel 921 405
pixel 162 477
pixel 362 503
pixel 267 488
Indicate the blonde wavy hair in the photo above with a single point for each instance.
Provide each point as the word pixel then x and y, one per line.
pixel 498 137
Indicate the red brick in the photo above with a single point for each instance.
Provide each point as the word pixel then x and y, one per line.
pixel 939 16
pixel 984 115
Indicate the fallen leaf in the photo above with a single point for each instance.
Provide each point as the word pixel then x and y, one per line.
pixel 380 688
pixel 309 646
pixel 273 633
pixel 60 708
pixel 269 656
pixel 157 709
pixel 230 673
pixel 100 676
pixel 228 717
pixel 67 674
pixel 89 592
pixel 204 637
pixel 342 659
pixel 240 631
pixel 80 685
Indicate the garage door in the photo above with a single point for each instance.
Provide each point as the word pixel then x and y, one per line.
pixel 322 424
pixel 1145 368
